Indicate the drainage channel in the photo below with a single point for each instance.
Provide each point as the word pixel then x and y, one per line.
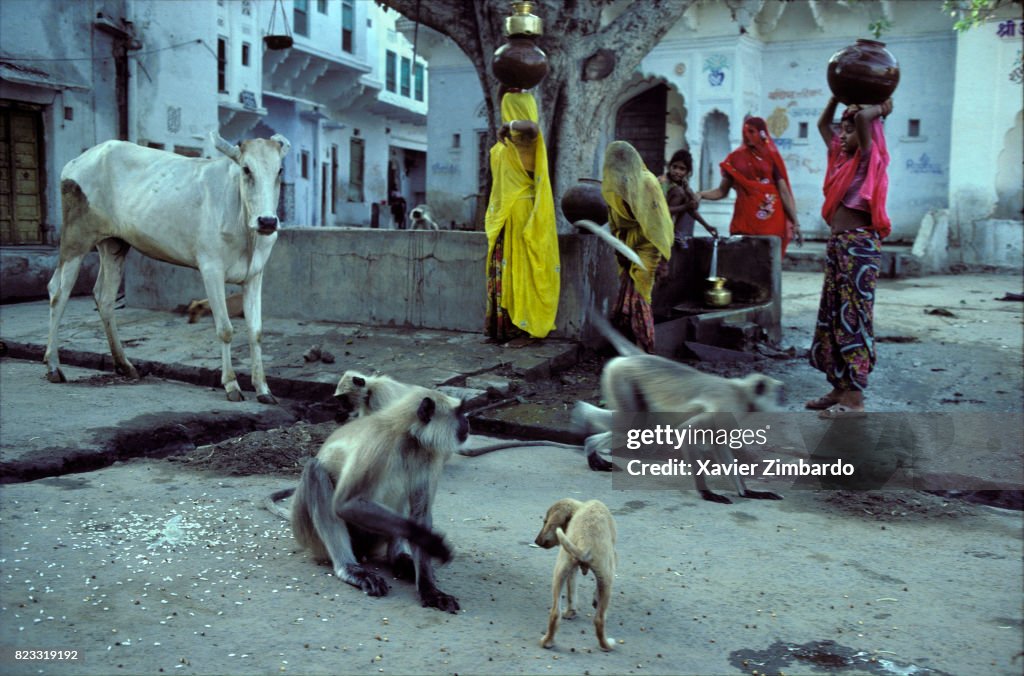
pixel 155 436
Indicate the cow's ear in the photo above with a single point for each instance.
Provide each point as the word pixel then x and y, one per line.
pixel 232 151
pixel 283 142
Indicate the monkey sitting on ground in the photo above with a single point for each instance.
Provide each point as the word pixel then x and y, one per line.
pixel 373 484
pixel 644 383
pixel 421 219
pixel 198 309
pixel 360 395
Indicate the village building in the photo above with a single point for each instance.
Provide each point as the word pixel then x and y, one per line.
pixel 165 73
pixel 955 136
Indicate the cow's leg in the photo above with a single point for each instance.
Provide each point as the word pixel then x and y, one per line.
pixel 60 286
pixel 112 257
pixel 252 294
pixel 213 280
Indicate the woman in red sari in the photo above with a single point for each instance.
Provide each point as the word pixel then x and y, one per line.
pixel 764 200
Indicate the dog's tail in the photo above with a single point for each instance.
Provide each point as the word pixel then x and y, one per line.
pixel 618 341
pixel 582 557
pixel 271 502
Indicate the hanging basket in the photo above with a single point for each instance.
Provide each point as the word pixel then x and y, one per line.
pixel 274 40
pixel 278 41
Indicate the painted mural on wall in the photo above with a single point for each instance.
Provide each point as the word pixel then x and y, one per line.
pixel 715 66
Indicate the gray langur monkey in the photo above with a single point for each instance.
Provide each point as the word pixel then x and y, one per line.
pixel 362 395
pixel 643 383
pixel 373 484
pixel 420 218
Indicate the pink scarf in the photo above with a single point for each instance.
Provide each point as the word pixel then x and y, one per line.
pixel 840 173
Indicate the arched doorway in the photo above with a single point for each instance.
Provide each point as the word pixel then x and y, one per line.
pixel 714 149
pixel 641 122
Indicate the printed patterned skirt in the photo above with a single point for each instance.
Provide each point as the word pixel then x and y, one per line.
pixel 498 324
pixel 843 347
pixel 632 315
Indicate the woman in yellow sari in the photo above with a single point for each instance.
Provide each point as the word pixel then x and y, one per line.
pixel 522 239
pixel 638 215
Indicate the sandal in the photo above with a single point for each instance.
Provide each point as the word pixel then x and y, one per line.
pixel 821 403
pixel 841 412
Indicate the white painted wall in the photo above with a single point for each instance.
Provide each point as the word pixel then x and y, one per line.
pixel 968 153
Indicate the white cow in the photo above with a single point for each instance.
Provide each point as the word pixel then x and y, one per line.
pixel 217 216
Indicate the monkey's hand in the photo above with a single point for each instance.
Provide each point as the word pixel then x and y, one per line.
pixel 435 598
pixel 761 495
pixel 357 576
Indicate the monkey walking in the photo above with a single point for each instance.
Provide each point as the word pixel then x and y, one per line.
pixel 421 218
pixel 643 383
pixel 373 483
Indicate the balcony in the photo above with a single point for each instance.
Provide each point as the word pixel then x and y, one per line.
pixel 333 81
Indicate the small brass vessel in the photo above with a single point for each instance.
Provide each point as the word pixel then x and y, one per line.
pixel 523 21
pixel 717 295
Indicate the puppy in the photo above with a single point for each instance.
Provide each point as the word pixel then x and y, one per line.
pixel 421 219
pixel 586 532
pixel 198 309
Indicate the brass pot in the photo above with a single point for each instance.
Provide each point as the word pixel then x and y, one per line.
pixel 717 295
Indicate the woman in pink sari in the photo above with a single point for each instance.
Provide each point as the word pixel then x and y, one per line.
pixel 843 347
pixel 764 200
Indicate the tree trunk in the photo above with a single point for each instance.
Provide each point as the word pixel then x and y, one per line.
pixel 571 107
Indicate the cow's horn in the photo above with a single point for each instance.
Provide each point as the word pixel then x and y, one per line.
pixel 232 151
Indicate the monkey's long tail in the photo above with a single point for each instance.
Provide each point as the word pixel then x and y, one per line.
pixel 484 450
pixel 618 341
pixel 611 240
pixel 582 557
pixel 272 503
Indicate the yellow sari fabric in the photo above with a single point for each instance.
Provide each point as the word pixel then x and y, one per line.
pixel 637 212
pixel 524 207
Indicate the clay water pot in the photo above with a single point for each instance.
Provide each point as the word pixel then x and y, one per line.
pixel 717 295
pixel 520 63
pixel 584 201
pixel 865 73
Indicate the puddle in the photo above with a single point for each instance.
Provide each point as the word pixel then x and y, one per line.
pixel 822 657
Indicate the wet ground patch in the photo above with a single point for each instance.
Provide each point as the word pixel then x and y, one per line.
pixel 822 657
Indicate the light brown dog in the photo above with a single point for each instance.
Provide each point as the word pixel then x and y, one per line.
pixel 198 309
pixel 586 532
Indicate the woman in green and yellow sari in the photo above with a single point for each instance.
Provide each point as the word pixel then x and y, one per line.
pixel 638 215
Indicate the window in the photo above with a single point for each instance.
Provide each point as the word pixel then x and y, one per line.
pixel 419 81
pixel 321 6
pixel 334 179
pixel 802 133
pixel 188 151
pixel 299 19
pixel 355 170
pixel 406 75
pixel 348 23
pixel 304 164
pixel 245 53
pixel 913 128
pixel 222 65
pixel 456 140
pixel 390 71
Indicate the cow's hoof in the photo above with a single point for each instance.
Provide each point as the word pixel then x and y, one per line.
pixel 235 395
pixel 127 371
pixel 56 376
pixel 266 398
